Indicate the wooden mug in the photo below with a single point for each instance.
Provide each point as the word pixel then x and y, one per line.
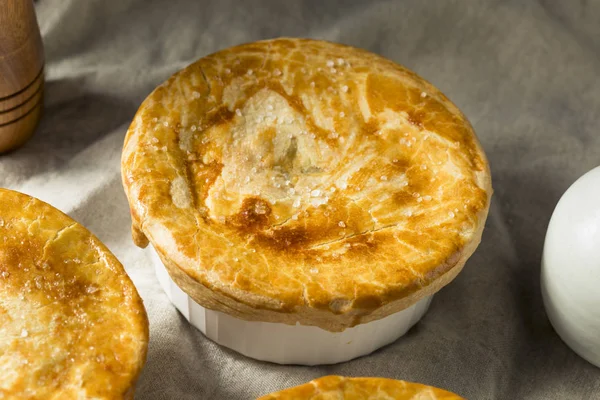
pixel 21 73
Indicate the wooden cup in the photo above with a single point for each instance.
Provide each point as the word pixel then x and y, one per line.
pixel 21 73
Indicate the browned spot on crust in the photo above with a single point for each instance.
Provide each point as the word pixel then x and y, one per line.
pixel 403 198
pixel 286 238
pixel 217 116
pixel 401 163
pixel 254 214
pixel 204 177
pixel 416 117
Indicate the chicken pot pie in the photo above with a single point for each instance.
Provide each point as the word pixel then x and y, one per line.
pixel 304 182
pixel 72 325
pixel 339 387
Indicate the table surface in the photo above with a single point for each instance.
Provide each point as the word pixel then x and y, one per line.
pixel 524 72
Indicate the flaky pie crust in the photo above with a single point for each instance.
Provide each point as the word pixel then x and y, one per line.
pixel 72 325
pixel 339 387
pixel 295 180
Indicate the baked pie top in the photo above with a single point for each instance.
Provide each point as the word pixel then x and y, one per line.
pixel 338 387
pixel 72 324
pixel 295 180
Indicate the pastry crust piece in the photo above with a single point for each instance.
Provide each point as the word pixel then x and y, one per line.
pixel 72 325
pixel 339 387
pixel 295 180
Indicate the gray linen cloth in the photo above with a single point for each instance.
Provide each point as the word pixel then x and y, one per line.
pixel 526 73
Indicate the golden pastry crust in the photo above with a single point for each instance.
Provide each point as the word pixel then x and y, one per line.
pixel 295 180
pixel 339 387
pixel 72 325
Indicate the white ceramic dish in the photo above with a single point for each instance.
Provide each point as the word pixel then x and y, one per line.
pixel 570 278
pixel 288 344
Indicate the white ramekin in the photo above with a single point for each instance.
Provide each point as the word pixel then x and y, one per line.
pixel 289 344
pixel 570 274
